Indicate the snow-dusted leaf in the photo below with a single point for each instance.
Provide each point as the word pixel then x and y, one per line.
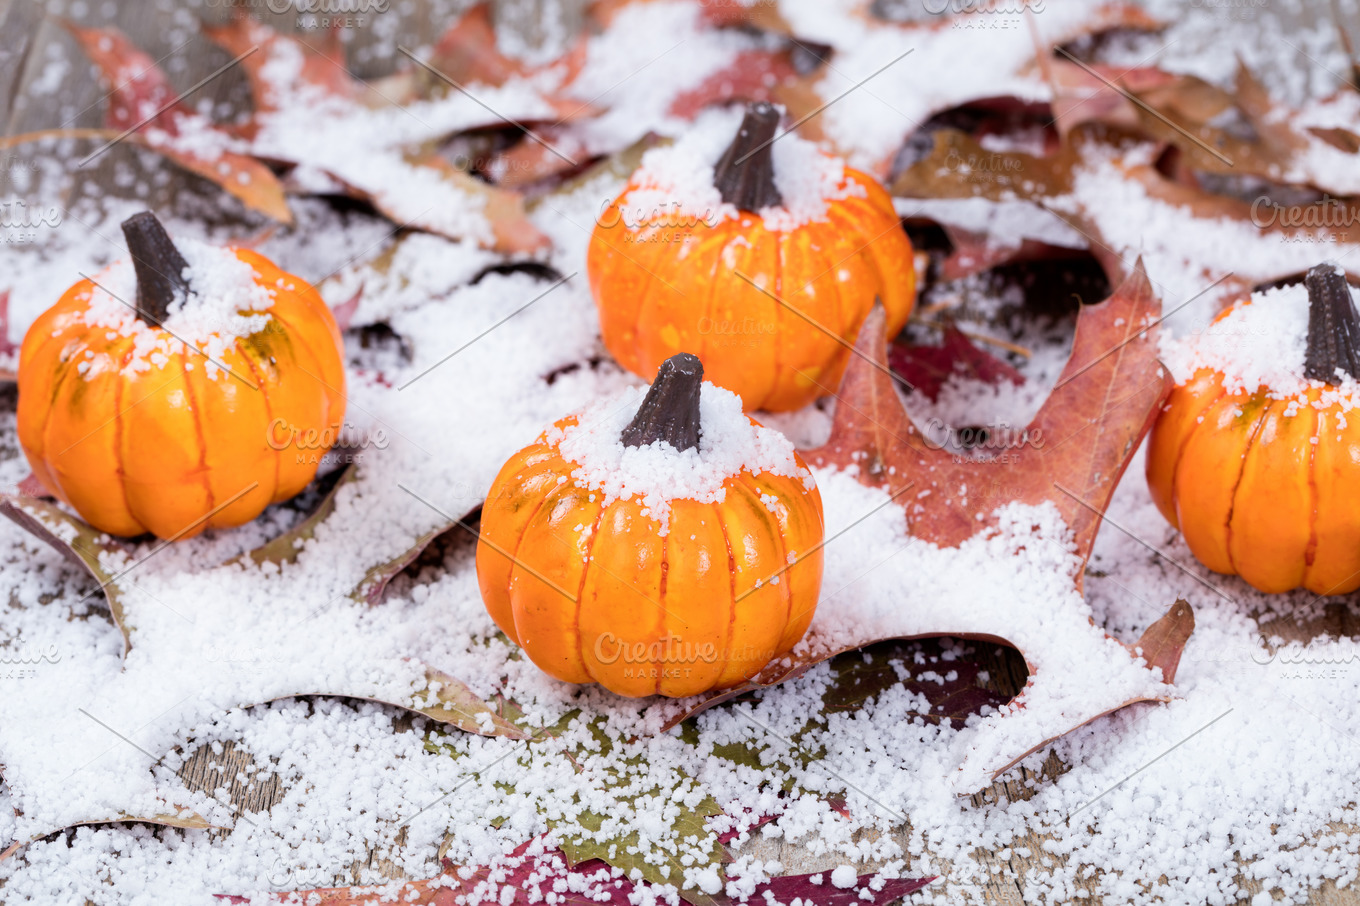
pixel 286 547
pixel 78 542
pixel 927 368
pixel 142 99
pixel 1072 456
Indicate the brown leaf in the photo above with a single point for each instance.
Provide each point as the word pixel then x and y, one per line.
pixel 322 69
pixel 141 99
pixel 78 542
pixel 1164 641
pixel 1075 450
pixel 925 369
pixel 753 75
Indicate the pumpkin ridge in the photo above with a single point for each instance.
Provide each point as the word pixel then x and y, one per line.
pixel 777 534
pixel 709 310
pixel 580 591
pixel 118 439
pixel 661 613
pixel 49 424
pixel 1188 436
pixel 779 241
pixel 204 471
pixel 732 598
pixel 1237 484
pixel 645 294
pixel 1310 550
pixel 269 415
pixel 514 552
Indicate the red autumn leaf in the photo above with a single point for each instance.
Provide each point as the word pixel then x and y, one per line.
pixel 1099 410
pixel 141 99
pixel 1079 444
pixel 926 368
pixel 754 75
pixel 344 312
pixel 322 61
pixel 530 873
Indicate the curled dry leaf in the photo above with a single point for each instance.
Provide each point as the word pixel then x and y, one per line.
pixel 1075 451
pixel 141 99
pixel 80 543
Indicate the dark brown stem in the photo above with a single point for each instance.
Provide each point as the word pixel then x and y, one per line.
pixel 1333 328
pixel 670 411
pixel 745 174
pixel 159 265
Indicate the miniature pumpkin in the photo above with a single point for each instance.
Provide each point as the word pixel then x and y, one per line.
pixel 1263 483
pixel 671 281
pixel 169 418
pixel 601 586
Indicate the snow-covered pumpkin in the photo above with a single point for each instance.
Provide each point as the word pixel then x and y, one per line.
pixel 164 395
pixel 766 275
pixel 673 553
pixel 1255 455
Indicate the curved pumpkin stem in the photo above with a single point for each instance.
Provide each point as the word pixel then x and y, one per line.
pixel 670 411
pixel 1333 328
pixel 745 173
pixel 159 265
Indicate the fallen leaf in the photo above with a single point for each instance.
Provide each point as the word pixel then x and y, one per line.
pixel 926 368
pixel 142 100
pixel 78 542
pixel 1075 451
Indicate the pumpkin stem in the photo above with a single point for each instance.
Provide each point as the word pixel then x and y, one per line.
pixel 1333 328
pixel 159 265
pixel 745 173
pixel 670 411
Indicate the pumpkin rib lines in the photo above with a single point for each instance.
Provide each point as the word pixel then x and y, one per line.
pixel 260 382
pixel 778 309
pixel 732 585
pixel 581 590
pixel 118 438
pixel 661 633
pixel 776 533
pixel 205 473
pixel 1185 442
pixel 514 557
pixel 1237 483
pixel 1310 550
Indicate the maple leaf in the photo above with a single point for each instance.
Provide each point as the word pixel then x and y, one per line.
pixel 927 368
pixel 1079 444
pixel 142 104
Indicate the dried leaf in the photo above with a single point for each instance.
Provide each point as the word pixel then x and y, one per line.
pixel 927 368
pixel 1077 448
pixel 753 75
pixel 286 547
pixel 1164 641
pixel 141 99
pixel 1089 427
pixel 78 542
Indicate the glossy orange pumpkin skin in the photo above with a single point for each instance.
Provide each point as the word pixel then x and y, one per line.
pixel 654 614
pixel 1239 475
pixel 669 284
pixel 157 450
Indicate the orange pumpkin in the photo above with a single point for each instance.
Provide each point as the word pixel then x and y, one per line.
pixel 597 591
pixel 1263 485
pixel 139 431
pixel 669 282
